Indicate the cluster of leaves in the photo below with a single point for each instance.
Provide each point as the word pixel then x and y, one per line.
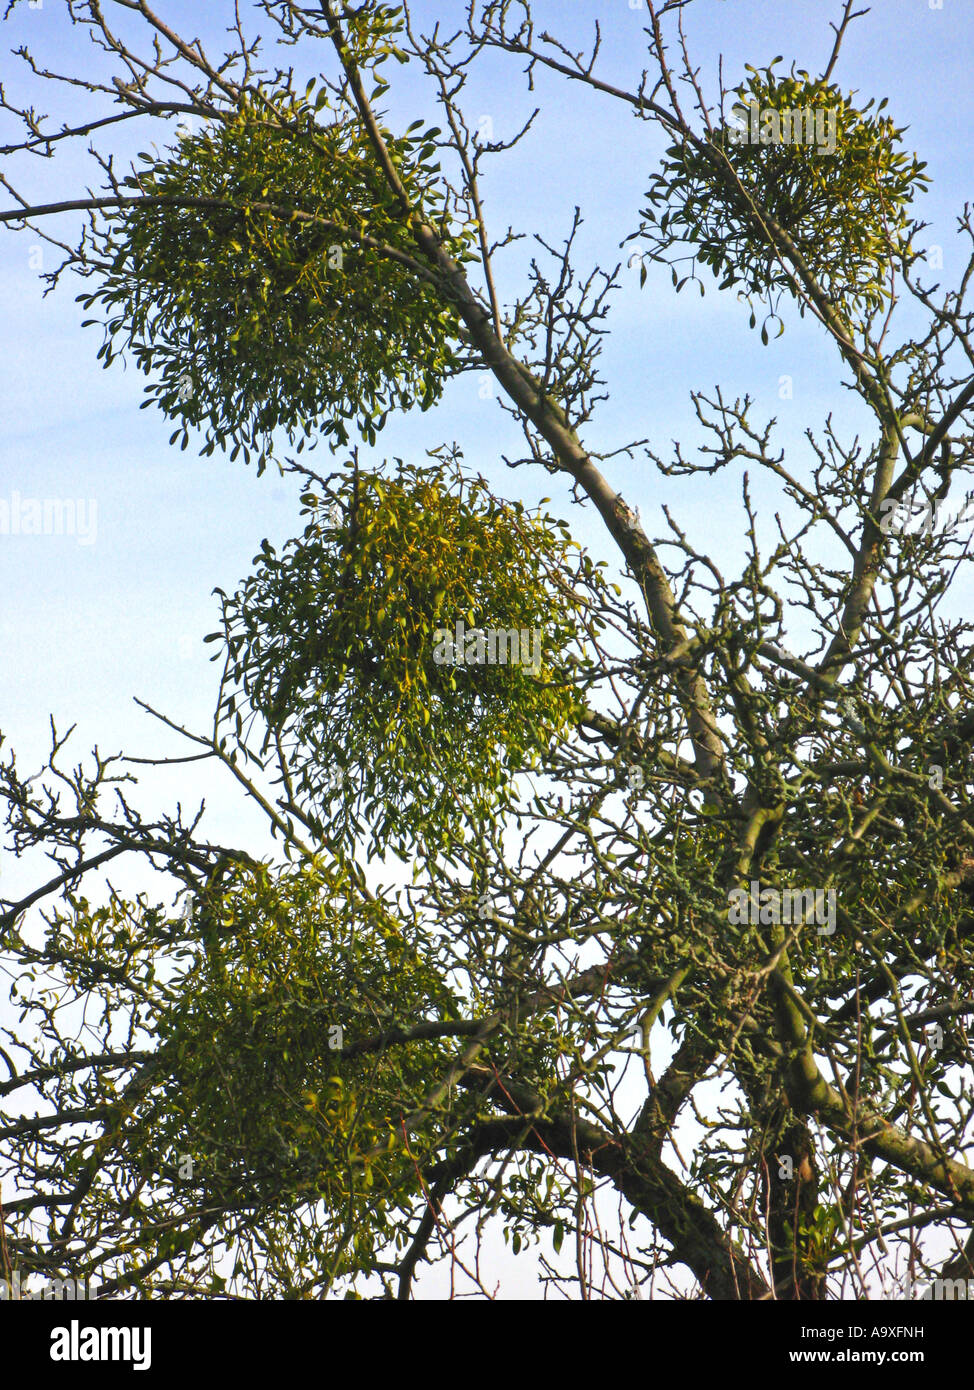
pixel 336 643
pixel 369 35
pixel 291 968
pixel 256 279
pixel 845 212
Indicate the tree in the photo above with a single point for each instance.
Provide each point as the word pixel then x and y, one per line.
pixel 658 831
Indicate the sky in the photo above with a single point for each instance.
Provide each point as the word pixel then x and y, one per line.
pixel 87 623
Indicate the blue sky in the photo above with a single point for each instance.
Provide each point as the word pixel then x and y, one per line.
pixel 85 627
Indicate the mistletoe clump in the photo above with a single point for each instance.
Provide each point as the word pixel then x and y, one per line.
pixel 268 278
pixel 800 183
pixel 264 1090
pixel 346 645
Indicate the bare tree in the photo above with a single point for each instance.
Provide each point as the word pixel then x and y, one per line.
pixel 723 817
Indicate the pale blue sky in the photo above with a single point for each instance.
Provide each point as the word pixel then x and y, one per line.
pixel 84 628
